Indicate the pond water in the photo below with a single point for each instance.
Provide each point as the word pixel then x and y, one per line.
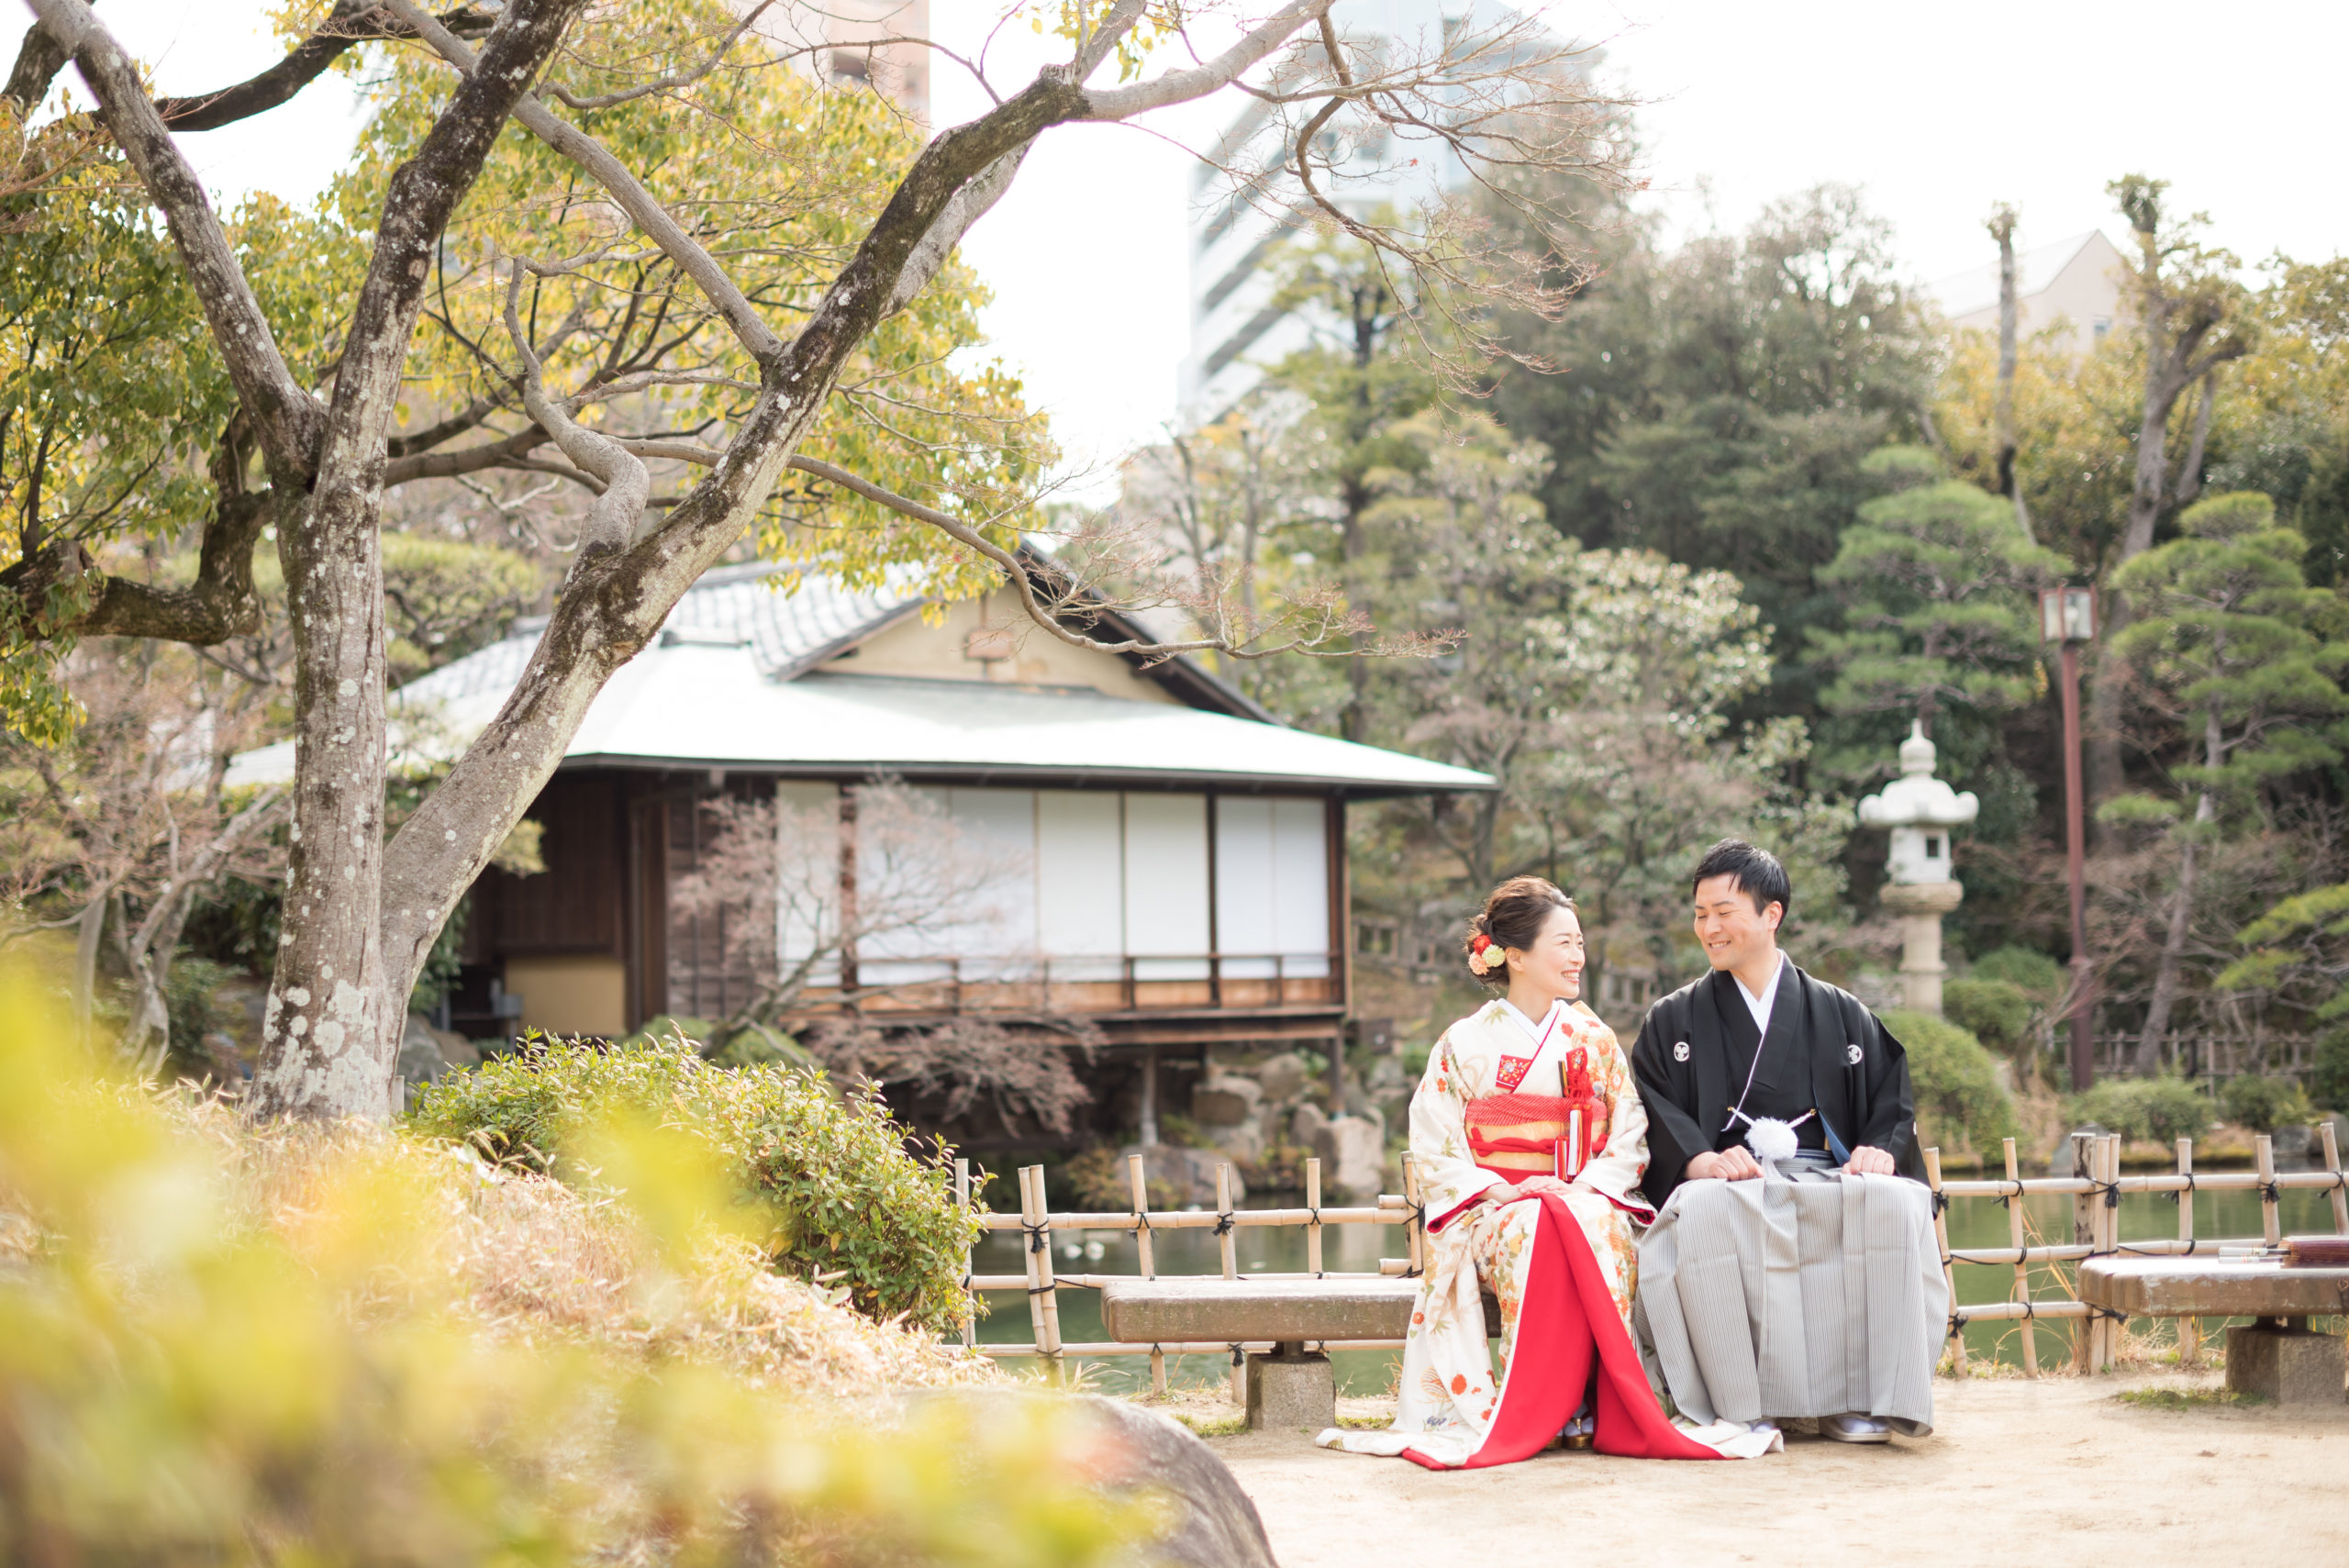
pixel 1356 1249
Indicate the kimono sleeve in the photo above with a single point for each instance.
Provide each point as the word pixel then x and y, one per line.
pixel 1450 1181
pixel 1673 1136
pixel 1616 1174
pixel 1888 1115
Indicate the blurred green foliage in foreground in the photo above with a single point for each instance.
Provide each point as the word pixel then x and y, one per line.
pixel 348 1345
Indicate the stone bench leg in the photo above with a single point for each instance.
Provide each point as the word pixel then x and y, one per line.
pixel 1290 1391
pixel 2287 1363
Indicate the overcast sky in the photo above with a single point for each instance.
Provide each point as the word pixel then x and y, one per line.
pixel 1936 112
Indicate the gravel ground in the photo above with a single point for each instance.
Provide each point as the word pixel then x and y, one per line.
pixel 2056 1472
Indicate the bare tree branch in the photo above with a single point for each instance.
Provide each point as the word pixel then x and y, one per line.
pixel 611 521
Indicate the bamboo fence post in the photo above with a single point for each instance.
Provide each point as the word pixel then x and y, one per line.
pixel 1949 1272
pixel 1416 1229
pixel 2084 1232
pixel 962 1200
pixel 1313 1226
pixel 2268 1224
pixel 1043 1304
pixel 2022 1269
pixel 2189 1330
pixel 1230 1271
pixel 2339 1191
pixel 1140 1179
pixel 2107 1332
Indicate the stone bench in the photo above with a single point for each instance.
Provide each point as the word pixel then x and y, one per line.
pixel 1289 1388
pixel 2278 1357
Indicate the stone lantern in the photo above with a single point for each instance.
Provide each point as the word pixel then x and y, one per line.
pixel 1919 809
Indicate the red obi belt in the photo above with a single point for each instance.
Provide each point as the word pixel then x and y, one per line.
pixel 1515 1135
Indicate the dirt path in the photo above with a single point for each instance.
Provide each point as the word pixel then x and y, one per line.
pixel 2053 1473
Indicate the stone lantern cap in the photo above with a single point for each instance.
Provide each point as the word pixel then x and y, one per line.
pixel 1917 799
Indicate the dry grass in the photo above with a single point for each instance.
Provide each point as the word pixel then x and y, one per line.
pixel 529 1258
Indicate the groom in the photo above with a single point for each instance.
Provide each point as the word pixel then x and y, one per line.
pixel 1760 1298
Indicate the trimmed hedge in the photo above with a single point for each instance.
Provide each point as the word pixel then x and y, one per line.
pixel 846 1192
pixel 1996 1012
pixel 1959 1098
pixel 2263 1104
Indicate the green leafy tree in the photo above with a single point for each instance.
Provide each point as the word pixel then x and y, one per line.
pixel 1937 586
pixel 2243 656
pixel 632 247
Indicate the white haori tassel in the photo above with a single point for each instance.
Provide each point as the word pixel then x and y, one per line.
pixel 1770 1138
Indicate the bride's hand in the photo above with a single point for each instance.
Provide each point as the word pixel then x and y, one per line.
pixel 1530 1186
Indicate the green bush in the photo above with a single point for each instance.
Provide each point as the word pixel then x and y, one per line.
pixel 1997 1011
pixel 847 1196
pixel 2029 971
pixel 2263 1104
pixel 2329 1083
pixel 1959 1098
pixel 2164 1109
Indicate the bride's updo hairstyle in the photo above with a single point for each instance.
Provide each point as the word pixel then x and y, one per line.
pixel 1512 918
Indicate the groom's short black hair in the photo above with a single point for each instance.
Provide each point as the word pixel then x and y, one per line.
pixel 1759 875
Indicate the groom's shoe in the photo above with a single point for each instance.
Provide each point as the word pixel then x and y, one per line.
pixel 1853 1430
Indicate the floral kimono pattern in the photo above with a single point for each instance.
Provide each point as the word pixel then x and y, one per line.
pixel 1562 1269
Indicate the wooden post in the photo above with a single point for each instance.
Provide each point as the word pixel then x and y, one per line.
pixel 2332 1163
pixel 1415 1227
pixel 1141 1182
pixel 1230 1269
pixel 1313 1226
pixel 1949 1270
pixel 2106 1332
pixel 1043 1304
pixel 2268 1224
pixel 2084 1234
pixel 2189 1330
pixel 962 1200
pixel 2022 1269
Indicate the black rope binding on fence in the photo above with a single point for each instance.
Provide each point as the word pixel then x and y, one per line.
pixel 1036 1234
pixel 1940 1203
pixel 1224 1224
pixel 2181 1194
pixel 2269 1193
pixel 1239 1358
pixel 1315 1210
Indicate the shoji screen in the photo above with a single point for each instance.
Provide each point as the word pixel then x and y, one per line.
pixel 1081 883
pixel 1166 885
pixel 807 875
pixel 1272 887
pixel 995 936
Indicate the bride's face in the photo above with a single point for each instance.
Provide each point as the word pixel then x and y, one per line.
pixel 1553 965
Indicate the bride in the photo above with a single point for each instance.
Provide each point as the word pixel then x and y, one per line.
pixel 1530 1141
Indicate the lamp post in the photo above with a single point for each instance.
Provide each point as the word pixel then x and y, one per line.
pixel 2067 617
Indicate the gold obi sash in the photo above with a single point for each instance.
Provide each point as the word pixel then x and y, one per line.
pixel 1516 1136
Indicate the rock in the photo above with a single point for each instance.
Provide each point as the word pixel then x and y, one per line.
pixel 1224 1100
pixel 2295 1142
pixel 1352 1151
pixel 1305 1125
pixel 1138 1453
pixel 1283 1077
pixel 421 1061
pixel 1189 1172
pixel 456 1050
pixel 1244 1144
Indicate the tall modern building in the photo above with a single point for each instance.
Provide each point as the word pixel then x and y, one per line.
pixel 1244 203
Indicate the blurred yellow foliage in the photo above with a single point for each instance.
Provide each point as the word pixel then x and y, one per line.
pixel 223 1344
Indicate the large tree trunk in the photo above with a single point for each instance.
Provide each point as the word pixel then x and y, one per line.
pixel 332 1024
pixel 2002 228
pixel 2181 911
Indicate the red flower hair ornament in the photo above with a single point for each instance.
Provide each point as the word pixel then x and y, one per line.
pixel 1482 958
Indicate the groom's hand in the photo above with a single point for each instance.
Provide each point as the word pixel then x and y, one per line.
pixel 1867 1161
pixel 1732 1164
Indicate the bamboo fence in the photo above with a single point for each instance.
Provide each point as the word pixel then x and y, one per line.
pixel 2096 1187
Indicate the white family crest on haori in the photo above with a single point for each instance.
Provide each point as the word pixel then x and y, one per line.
pixel 1680 1052
pixel 1504 1099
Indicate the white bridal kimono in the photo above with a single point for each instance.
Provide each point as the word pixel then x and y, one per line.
pixel 1500 1093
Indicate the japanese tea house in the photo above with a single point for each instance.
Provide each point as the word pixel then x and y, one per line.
pixel 1183 852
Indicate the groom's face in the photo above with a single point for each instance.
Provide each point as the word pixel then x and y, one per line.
pixel 1734 932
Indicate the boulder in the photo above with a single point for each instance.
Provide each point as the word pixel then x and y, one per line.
pixel 1353 1152
pixel 2296 1142
pixel 1283 1077
pixel 421 1061
pixel 1138 1453
pixel 456 1050
pixel 1244 1144
pixel 1224 1100
pixel 1190 1172
pixel 1305 1125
